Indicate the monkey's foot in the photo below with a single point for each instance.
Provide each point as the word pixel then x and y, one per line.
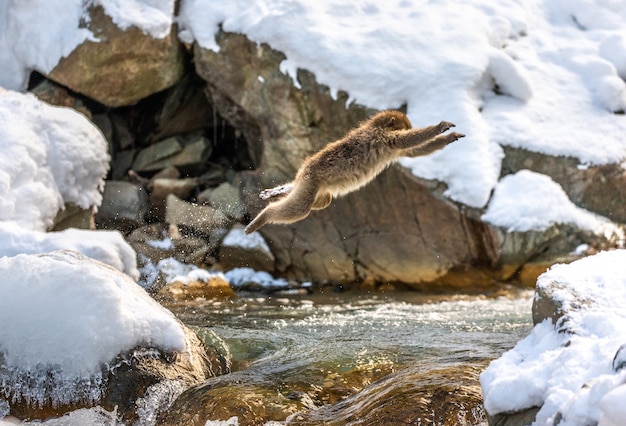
pixel 445 126
pixel 278 191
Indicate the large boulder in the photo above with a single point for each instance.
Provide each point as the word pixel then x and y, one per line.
pixel 120 67
pixel 570 368
pixel 393 230
pixel 84 334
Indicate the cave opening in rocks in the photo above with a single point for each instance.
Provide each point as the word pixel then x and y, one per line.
pixel 176 127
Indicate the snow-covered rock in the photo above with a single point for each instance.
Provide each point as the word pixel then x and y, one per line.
pixel 75 329
pixel 569 370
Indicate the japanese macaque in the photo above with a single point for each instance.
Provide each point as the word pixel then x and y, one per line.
pixel 348 164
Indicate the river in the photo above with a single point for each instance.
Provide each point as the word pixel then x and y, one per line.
pixel 293 343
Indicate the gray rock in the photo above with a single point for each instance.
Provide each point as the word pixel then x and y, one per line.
pixel 124 205
pixel 178 151
pixel 204 219
pixel 162 187
pixel 226 199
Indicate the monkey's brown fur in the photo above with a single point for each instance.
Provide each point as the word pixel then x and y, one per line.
pixel 349 163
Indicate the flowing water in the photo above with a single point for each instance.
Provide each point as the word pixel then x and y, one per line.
pixel 309 338
pixel 345 330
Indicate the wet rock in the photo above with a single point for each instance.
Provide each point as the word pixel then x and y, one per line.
pixel 253 405
pixel 204 219
pixel 156 242
pixel 121 66
pixel 215 288
pixel 141 368
pixel 124 206
pixel 409 396
pixel 183 152
pixel 239 250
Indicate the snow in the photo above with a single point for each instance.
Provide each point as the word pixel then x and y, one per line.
pixel 49 156
pixel 237 237
pixel 527 201
pixel 569 369
pixel 97 312
pixel 175 271
pixel 556 65
pixel 106 246
pixel 542 75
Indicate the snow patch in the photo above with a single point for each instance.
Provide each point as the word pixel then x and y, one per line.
pixel 527 201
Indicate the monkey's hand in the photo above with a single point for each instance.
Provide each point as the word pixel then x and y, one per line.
pixel 444 126
pixel 433 145
pixel 276 192
pixel 454 136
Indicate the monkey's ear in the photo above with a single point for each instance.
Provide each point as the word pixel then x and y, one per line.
pixel 391 122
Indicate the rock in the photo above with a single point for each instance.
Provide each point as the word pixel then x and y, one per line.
pixel 124 206
pixel 226 199
pixel 239 250
pixel 156 242
pixel 144 367
pixel 162 187
pixel 600 189
pixel 121 66
pixel 54 94
pixel 215 288
pixel 409 396
pixel 139 343
pixel 393 230
pixel 183 152
pixel 200 218
pixel 73 216
pixel 252 405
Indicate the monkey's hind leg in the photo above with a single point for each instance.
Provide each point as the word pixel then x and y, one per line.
pixel 322 200
pixel 432 145
pixel 292 208
pixel 276 192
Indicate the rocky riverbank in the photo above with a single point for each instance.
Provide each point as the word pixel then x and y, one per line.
pixel 202 131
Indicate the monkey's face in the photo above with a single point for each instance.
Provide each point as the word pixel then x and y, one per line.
pixel 391 120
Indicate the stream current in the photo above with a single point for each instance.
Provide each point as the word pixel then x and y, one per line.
pixel 275 340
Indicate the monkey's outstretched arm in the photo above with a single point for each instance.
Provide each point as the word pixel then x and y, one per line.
pixel 432 145
pixel 415 137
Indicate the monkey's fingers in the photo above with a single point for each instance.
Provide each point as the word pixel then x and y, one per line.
pixel 454 136
pixel 445 126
